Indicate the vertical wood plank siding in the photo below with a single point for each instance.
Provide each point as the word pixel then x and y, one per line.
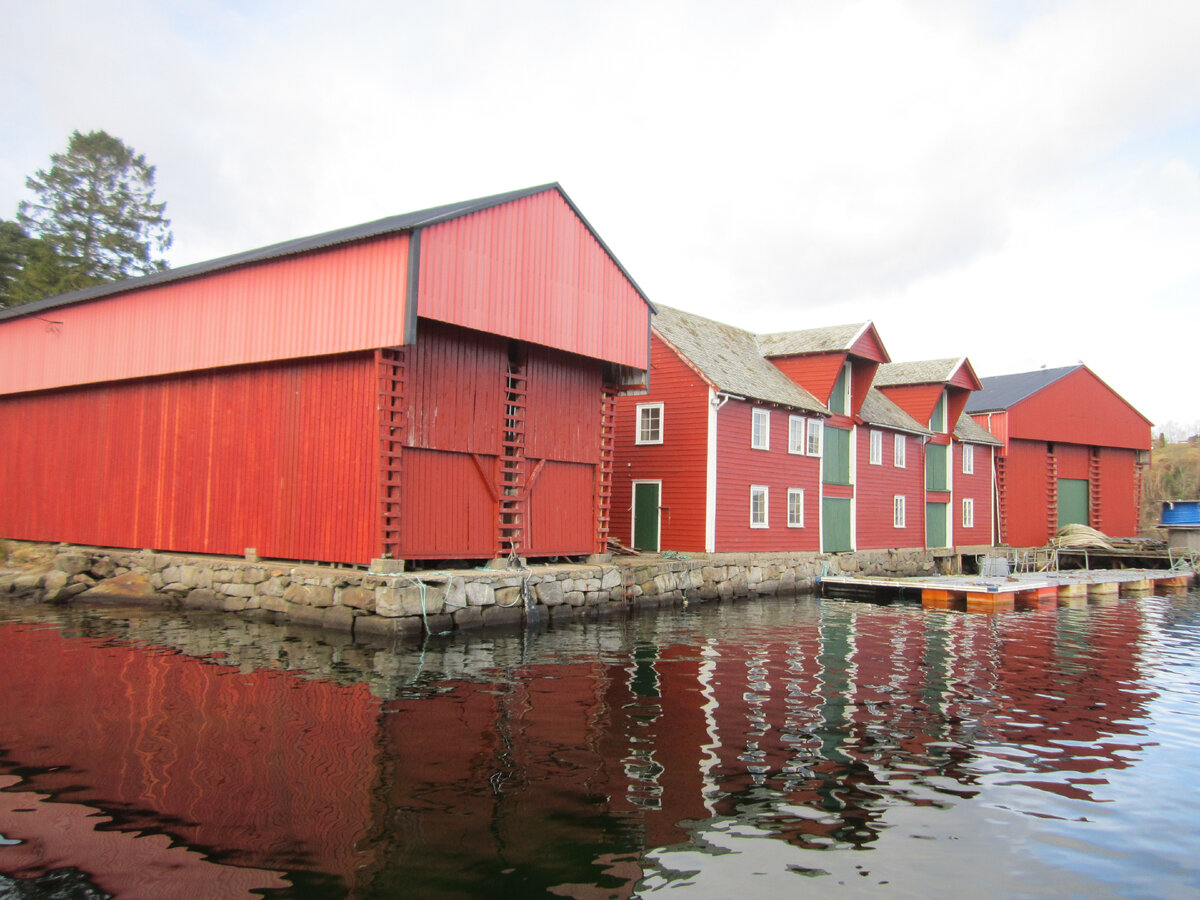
pixel 278 457
pixel 680 461
pixel 531 270
pixel 876 486
pixel 1117 492
pixel 561 519
pixel 563 399
pixel 739 467
pixel 1028 496
pixel 449 511
pixel 332 301
pixel 1080 409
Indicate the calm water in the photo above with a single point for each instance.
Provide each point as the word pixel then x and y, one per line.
pixel 744 750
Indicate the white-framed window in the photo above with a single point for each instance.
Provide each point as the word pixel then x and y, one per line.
pixel 968 512
pixel 758 506
pixel 877 448
pixel 968 459
pixel 898 511
pixel 816 432
pixel 760 429
pixel 796 434
pixel 649 423
pixel 898 450
pixel 795 508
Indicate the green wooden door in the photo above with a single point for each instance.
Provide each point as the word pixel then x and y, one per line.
pixel 645 515
pixel 936 469
pixel 935 525
pixel 835 525
pixel 1072 501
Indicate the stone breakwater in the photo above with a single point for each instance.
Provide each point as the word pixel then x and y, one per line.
pixel 367 604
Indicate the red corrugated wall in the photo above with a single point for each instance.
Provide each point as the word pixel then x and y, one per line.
pixel 739 467
pixel 531 270
pixel 333 301
pixel 278 457
pixel 680 461
pixel 876 486
pixel 977 486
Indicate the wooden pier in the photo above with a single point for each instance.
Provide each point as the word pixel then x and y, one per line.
pixel 1035 590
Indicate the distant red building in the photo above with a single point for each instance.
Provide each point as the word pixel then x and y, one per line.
pixel 436 385
pixel 1072 451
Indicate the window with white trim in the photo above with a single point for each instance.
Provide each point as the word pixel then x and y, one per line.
pixel 877 448
pixel 968 451
pixel 760 429
pixel 816 431
pixel 795 508
pixel 898 511
pixel 796 434
pixel 898 448
pixel 968 512
pixel 758 506
pixel 649 423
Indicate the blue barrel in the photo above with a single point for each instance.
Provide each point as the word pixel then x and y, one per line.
pixel 1181 512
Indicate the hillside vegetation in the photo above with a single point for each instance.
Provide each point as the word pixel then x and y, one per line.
pixel 1174 474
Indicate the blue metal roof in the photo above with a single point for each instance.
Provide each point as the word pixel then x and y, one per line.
pixel 1005 391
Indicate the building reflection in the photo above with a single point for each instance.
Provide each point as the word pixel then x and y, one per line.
pixel 542 771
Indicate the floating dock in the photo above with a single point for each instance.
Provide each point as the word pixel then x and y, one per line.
pixel 996 593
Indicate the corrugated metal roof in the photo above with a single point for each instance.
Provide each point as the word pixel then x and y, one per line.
pixel 1005 391
pixel 730 358
pixel 389 225
pixel 878 409
pixel 926 371
pixel 811 340
pixel 972 432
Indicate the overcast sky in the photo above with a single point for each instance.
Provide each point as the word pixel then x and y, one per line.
pixel 1016 182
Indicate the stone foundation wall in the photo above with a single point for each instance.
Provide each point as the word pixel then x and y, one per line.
pixel 367 604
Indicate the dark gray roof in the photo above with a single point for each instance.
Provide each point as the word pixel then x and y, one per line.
pixel 1004 391
pixel 811 340
pixel 878 410
pixel 390 225
pixel 971 432
pixel 729 357
pixel 926 371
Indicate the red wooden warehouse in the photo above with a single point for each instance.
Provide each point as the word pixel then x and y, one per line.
pixel 435 385
pixel 723 453
pixel 1073 451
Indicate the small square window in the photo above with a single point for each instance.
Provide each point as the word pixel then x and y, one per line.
pixel 760 430
pixel 796 434
pixel 758 506
pixel 876 448
pixel 649 423
pixel 795 508
pixel 968 512
pixel 898 511
pixel 968 452
pixel 898 451
pixel 816 431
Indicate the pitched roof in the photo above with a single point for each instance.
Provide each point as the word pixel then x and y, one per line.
pixel 878 409
pixel 927 371
pixel 971 432
pixel 730 359
pixel 1004 391
pixel 811 340
pixel 390 225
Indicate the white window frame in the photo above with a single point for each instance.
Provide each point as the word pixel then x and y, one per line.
pixel 760 438
pixel 760 490
pixel 643 409
pixel 898 511
pixel 968 514
pixel 797 436
pixel 815 437
pixel 968 454
pixel 876 458
pixel 899 451
pixel 795 494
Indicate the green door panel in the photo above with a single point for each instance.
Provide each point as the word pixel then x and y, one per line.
pixel 645 516
pixel 1072 501
pixel 935 524
pixel 835 467
pixel 936 468
pixel 835 525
